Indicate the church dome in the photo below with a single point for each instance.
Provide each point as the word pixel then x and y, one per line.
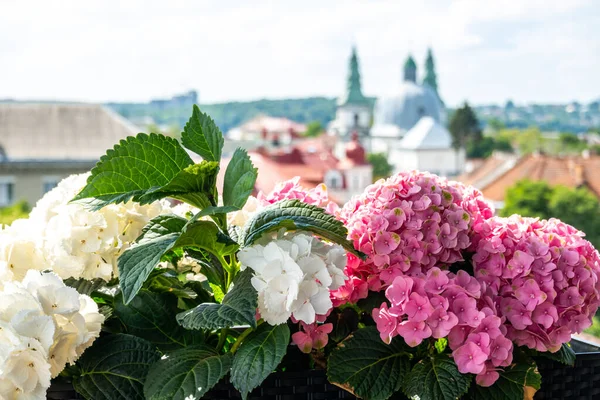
pixel 407 106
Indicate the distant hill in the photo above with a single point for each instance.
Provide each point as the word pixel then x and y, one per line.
pixel 229 115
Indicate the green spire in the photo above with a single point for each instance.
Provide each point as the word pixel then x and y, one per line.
pixel 353 94
pixel 430 75
pixel 410 69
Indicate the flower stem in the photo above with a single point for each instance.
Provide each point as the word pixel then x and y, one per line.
pixel 222 338
pixel 243 336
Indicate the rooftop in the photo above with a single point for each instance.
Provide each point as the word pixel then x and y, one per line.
pixel 59 131
pixel 497 174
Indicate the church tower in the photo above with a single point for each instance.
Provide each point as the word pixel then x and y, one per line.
pixel 410 70
pixel 430 75
pixel 354 110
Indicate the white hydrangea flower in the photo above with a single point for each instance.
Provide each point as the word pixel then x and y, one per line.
pixel 184 210
pixel 79 243
pixel 293 274
pixel 312 299
pixel 241 217
pixel 20 250
pixel 43 326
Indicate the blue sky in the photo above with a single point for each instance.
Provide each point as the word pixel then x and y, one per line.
pixel 486 50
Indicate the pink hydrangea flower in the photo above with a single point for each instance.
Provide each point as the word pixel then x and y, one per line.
pixel 544 275
pixel 408 224
pixel 470 358
pixel 414 332
pixel 312 336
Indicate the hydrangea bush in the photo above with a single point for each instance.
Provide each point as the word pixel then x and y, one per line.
pixel 144 279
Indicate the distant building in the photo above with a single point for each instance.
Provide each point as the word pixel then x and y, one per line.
pixel 427 146
pixel 408 124
pixel 185 99
pixel 264 131
pixel 501 171
pixel 397 113
pixel 40 144
pixel 354 110
pixel 313 162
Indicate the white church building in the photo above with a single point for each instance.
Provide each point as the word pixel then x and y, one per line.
pixel 408 124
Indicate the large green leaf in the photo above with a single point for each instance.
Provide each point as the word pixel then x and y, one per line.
pixel 294 214
pixel 367 366
pixel 133 167
pixel 258 356
pixel 207 236
pixel 436 378
pixel 160 226
pixel 202 136
pixel 511 385
pixel 195 184
pixel 115 367
pixel 240 178
pixel 210 265
pixel 565 355
pixel 137 262
pixel 186 374
pixel 237 308
pixel 151 316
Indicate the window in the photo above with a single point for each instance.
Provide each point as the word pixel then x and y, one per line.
pixel 334 179
pixel 333 182
pixel 49 183
pixel 6 191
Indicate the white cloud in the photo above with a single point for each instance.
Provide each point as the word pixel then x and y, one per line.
pixel 136 50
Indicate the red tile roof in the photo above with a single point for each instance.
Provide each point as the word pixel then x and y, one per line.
pixel 568 171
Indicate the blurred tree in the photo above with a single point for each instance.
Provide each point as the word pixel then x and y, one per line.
pixel 495 124
pixel 18 210
pixel 527 198
pixel 486 146
pixel 578 207
pixel 313 129
pixel 571 143
pixel 464 127
pixel 381 167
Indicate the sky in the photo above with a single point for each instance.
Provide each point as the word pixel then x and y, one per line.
pixel 486 51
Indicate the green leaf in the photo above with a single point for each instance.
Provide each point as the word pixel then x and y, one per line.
pixel 565 355
pixel 436 378
pixel 237 308
pixel 215 210
pixel 85 286
pixel 258 356
pixel 205 235
pixel 441 344
pixel 240 178
pixel 160 226
pixel 294 214
pixel 167 281
pixel 133 167
pixel 366 366
pixel 195 184
pixel 151 316
pixel 210 264
pixel 186 374
pixel 115 367
pixel 202 136
pixel 511 384
pixel 137 262
pixel 344 323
